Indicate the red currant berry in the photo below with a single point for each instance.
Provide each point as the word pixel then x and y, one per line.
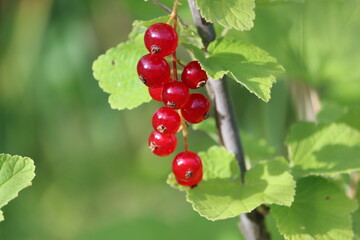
pixel 166 121
pixel 187 168
pixel 162 145
pixel 193 76
pixel 153 71
pixel 155 93
pixel 175 94
pixel 161 39
pixel 196 108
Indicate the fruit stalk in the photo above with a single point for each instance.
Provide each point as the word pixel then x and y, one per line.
pixel 174 59
pixel 252 224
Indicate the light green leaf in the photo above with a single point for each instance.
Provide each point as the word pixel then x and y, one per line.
pixel 320 211
pixel 255 149
pixel 116 72
pixel 270 223
pixel 209 127
pixel 188 35
pixel 116 69
pixel 247 64
pixel 268 3
pixel 16 173
pixel 139 26
pixel 220 194
pixel 237 14
pixel 356 216
pixel 323 149
pixel 330 112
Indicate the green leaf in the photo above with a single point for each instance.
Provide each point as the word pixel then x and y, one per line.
pixel 324 149
pixel 188 35
pixel 255 149
pixel 16 173
pixel 268 3
pixel 247 64
pixel 116 69
pixel 320 211
pixel 116 72
pixel 139 26
pixel 356 216
pixel 330 112
pixel 237 14
pixel 220 194
pixel 209 127
pixel 270 223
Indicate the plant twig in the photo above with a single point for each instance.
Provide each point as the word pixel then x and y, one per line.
pixel 252 224
pixel 175 60
pixel 168 10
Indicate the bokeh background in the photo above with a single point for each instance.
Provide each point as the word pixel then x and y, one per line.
pixel 96 178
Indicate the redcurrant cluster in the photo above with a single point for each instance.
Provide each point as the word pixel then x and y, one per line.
pixel 161 40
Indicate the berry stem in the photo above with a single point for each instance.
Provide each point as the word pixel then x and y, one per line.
pixel 174 16
pixel 168 10
pixel 184 132
pixel 179 62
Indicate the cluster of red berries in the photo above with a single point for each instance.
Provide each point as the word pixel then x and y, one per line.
pixel 161 40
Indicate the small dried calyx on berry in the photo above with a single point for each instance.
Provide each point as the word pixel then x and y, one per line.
pixel 152 146
pixel 155 48
pixel 201 83
pixel 161 129
pixel 142 78
pixel 171 104
pixel 188 174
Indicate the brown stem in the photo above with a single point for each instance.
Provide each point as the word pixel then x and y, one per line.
pixel 168 10
pixel 252 224
pixel 174 16
pixel 184 132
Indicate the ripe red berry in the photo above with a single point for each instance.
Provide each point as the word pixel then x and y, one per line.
pixel 175 94
pixel 161 39
pixel 187 168
pixel 166 120
pixel 193 76
pixel 153 70
pixel 196 108
pixel 155 93
pixel 162 145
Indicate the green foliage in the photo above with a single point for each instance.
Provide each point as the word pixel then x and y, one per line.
pixel 209 127
pixel 320 211
pixel 16 173
pixel 237 14
pixel 116 72
pixel 139 26
pixel 220 195
pixel 330 113
pixel 116 69
pixel 187 34
pixel 254 149
pixel 356 215
pixel 325 149
pixel 247 64
pixel 266 3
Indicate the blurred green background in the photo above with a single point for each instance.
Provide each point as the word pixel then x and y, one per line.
pixel 96 178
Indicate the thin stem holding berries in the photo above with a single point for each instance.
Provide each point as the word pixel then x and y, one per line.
pixel 174 16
